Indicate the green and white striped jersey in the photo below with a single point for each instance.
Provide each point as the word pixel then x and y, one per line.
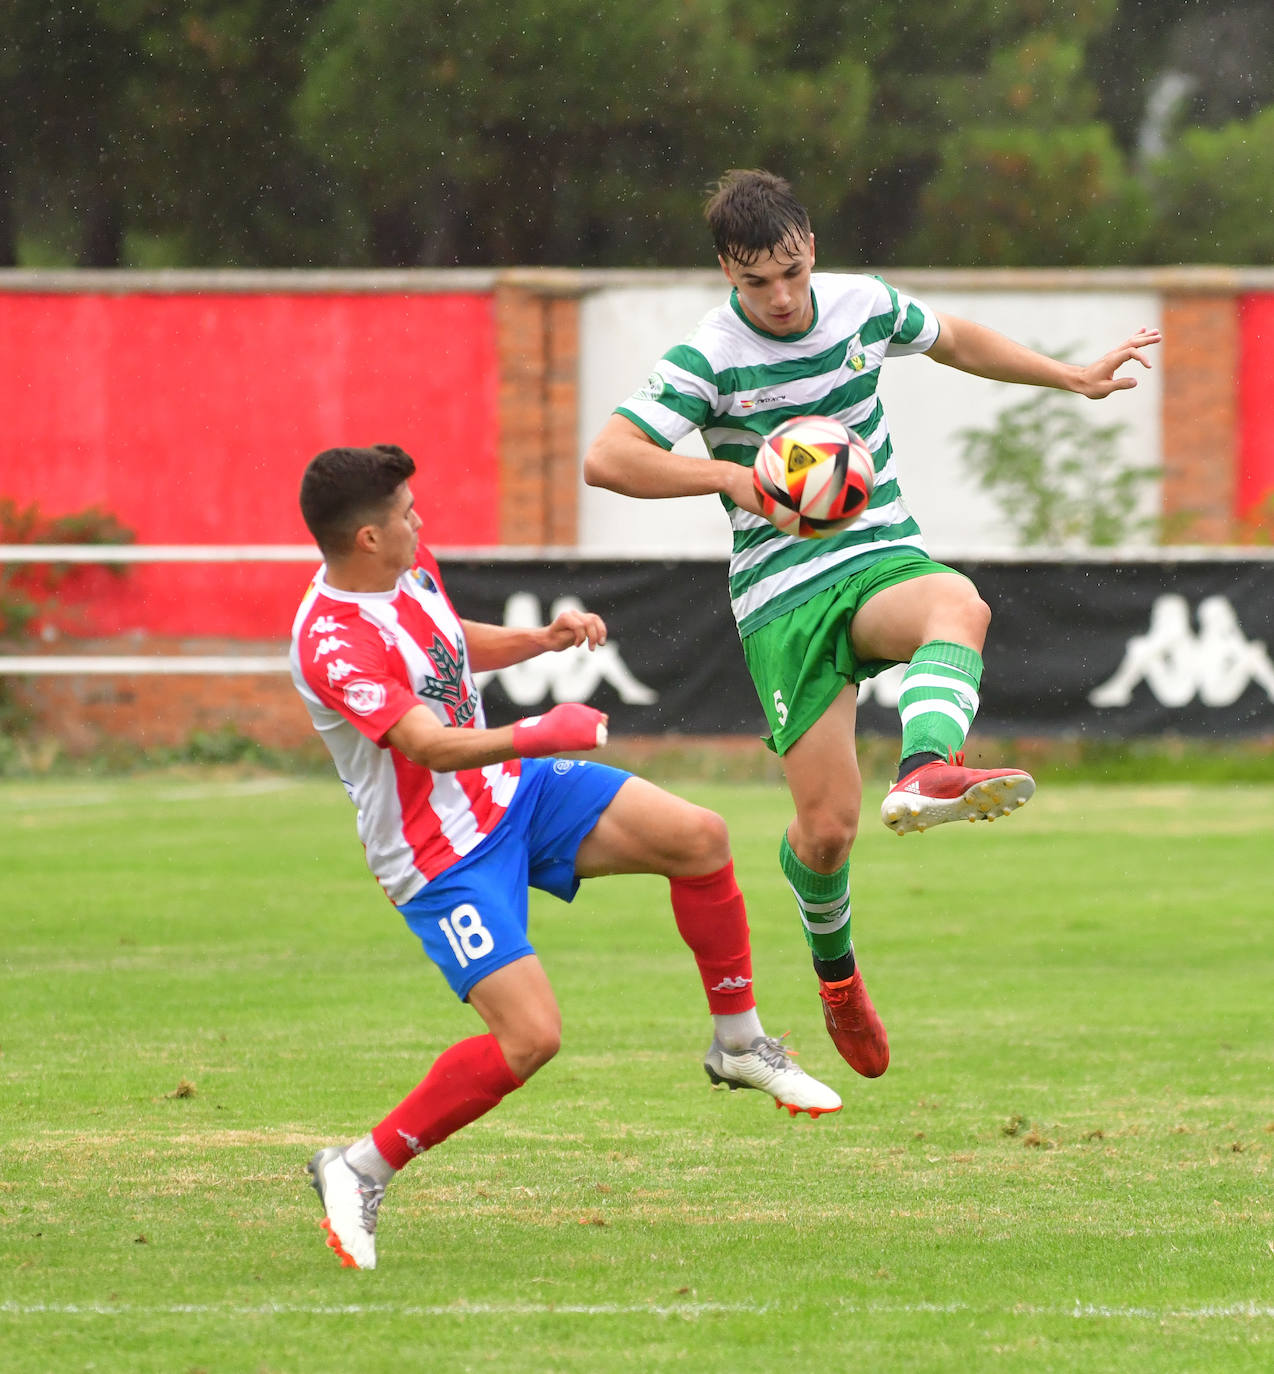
pixel 736 383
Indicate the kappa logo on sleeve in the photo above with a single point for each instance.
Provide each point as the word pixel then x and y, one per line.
pixel 329 645
pixel 364 697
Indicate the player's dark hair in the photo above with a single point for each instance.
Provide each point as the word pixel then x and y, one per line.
pixel 751 213
pixel 344 489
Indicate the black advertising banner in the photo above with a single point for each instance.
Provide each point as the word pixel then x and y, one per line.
pixel 1103 649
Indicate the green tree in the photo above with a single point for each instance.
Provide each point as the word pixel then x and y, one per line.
pixel 353 132
pixel 536 133
pixel 61 118
pixel 1037 181
pixel 934 66
pixel 1056 476
pixel 1215 194
pixel 156 132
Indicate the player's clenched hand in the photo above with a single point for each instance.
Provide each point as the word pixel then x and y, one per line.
pixel 569 726
pixel 574 627
pixel 1098 379
pixel 738 485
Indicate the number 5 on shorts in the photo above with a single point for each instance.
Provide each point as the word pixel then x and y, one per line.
pixel 780 708
pixel 468 937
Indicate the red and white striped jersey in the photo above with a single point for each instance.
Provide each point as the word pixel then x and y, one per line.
pixel 361 661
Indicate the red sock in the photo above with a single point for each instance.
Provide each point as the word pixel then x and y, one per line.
pixel 713 921
pixel 465 1081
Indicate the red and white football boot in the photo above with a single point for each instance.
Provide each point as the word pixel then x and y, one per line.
pixel 938 792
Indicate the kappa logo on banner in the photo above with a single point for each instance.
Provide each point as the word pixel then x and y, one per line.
pixel 574 674
pixel 1216 664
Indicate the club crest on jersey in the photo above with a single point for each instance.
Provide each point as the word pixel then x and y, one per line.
pixel 653 389
pixel 363 697
pixel 449 686
pixel 422 578
pixel 854 354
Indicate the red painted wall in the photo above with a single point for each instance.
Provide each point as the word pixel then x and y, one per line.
pixel 191 417
pixel 1255 483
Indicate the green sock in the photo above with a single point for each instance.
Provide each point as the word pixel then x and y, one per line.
pixel 939 698
pixel 823 902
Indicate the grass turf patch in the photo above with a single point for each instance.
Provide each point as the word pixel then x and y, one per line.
pixel 1068 1161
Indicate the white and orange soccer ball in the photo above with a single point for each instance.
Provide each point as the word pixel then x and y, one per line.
pixel 814 477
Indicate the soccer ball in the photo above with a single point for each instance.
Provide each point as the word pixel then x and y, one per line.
pixel 814 477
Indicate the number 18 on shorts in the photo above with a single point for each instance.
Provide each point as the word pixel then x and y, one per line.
pixel 469 934
pixel 468 937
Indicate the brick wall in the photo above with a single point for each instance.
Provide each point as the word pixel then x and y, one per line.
pixel 537 337
pixel 1200 416
pixel 150 711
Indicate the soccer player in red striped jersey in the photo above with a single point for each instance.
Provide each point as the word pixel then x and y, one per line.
pixel 459 820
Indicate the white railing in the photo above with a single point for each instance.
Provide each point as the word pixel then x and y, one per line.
pixel 101 665
pixel 139 664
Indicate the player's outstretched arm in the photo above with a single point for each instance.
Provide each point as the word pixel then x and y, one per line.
pixel 974 348
pixel 420 737
pixel 492 647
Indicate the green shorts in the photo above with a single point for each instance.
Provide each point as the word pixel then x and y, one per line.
pixel 803 660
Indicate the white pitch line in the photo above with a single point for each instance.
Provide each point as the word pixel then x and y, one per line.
pixel 1079 1310
pixel 374 1309
pixel 111 794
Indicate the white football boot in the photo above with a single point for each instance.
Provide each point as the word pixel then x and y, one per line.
pixel 768 1066
pixel 351 1202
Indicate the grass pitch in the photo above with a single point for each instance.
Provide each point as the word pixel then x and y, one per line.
pixel 1067 1165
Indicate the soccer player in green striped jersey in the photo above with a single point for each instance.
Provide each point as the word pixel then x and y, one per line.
pixel 818 616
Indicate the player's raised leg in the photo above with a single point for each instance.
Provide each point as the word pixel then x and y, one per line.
pixel 937 625
pixel 822 774
pixel 648 830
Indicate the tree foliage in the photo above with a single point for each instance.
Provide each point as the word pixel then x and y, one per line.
pixel 1216 193
pixel 1036 179
pixel 399 132
pixel 488 132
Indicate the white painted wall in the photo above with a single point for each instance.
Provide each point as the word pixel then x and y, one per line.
pixel 623 330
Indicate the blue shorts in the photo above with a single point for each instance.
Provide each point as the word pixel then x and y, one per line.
pixel 472 917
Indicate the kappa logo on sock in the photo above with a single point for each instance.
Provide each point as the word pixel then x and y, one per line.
pixel 732 984
pixel 412 1143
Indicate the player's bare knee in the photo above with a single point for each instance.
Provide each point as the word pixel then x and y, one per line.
pixel 963 619
pixel 531 1046
pixel 706 843
pixel 970 622
pixel 826 838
